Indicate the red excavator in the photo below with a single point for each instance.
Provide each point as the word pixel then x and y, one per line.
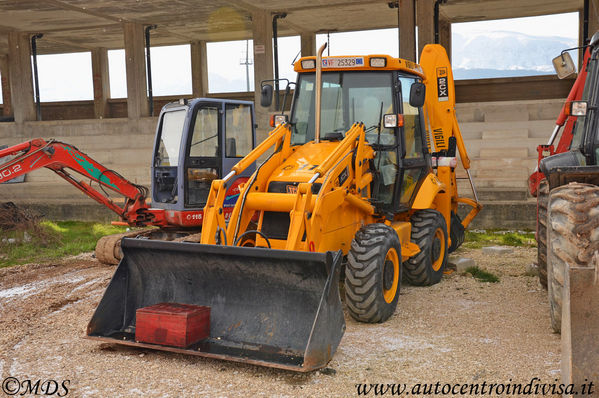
pixel 196 142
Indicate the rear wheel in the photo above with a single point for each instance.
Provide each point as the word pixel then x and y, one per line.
pixel 573 237
pixel 429 232
pixel 373 274
pixel 542 199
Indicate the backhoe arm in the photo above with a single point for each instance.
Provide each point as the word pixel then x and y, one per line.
pixel 443 128
pixel 64 159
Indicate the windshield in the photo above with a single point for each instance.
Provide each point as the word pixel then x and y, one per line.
pixel 171 131
pixel 577 132
pixel 347 97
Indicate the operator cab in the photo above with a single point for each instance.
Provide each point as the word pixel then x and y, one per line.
pixel 198 141
pixel 387 96
pixel 584 147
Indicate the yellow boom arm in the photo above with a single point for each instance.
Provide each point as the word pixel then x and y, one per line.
pixel 442 125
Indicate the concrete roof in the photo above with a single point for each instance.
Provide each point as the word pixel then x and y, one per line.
pixel 79 25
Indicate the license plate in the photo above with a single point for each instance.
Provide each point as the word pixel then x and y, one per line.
pixel 346 62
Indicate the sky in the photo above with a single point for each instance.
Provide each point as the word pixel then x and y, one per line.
pixel 68 76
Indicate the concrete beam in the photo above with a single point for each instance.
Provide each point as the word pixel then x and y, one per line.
pixel 425 14
pixel 407 24
pixel 580 323
pixel 263 66
pixel 20 76
pixel 308 44
pixel 101 81
pixel 199 69
pixel 137 95
pixel 5 81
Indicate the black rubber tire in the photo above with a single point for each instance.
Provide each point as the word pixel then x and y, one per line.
pixel 572 231
pixel 419 270
pixel 367 273
pixel 457 233
pixel 542 199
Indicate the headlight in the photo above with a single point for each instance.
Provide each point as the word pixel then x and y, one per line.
pixel 579 108
pixel 276 120
pixel 392 120
pixel 378 62
pixel 308 64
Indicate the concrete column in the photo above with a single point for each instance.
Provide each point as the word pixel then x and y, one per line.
pixel 101 82
pixel 407 23
pixel 580 322
pixel 137 94
pixel 593 26
pixel 263 66
pixel 425 20
pixel 445 35
pixel 6 100
pixel 20 76
pixel 308 45
pixel 593 17
pixel 199 69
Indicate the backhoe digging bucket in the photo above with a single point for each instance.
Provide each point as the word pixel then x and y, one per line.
pixel 267 307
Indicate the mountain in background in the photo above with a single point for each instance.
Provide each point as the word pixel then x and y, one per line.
pixel 505 54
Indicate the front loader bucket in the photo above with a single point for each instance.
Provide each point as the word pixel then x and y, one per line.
pixel 267 307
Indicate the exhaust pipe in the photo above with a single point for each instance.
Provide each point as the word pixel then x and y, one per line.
pixel 318 91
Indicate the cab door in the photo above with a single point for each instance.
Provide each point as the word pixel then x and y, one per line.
pixel 415 158
pixel 203 160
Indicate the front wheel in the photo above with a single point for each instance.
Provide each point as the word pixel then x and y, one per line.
pixel 429 232
pixel 572 236
pixel 373 274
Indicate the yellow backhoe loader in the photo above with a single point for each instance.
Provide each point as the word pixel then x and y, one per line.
pixel 360 176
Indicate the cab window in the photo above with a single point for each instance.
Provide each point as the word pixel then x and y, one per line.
pixel 238 130
pixel 171 131
pixel 412 127
pixel 204 141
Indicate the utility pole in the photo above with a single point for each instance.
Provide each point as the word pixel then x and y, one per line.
pixel 247 62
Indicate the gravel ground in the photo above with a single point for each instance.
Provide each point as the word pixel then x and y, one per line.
pixel 459 331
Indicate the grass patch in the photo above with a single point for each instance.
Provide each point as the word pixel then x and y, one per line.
pixel 50 240
pixel 481 275
pixel 478 239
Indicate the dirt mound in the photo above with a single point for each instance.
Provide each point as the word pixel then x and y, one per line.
pixel 14 218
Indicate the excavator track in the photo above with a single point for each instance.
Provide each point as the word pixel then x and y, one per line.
pixel 108 249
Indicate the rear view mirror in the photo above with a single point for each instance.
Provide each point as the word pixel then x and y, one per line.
pixel 417 94
pixel 266 95
pixel 564 66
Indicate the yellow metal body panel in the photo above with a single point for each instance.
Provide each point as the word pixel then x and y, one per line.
pixel 428 192
pixel 404 230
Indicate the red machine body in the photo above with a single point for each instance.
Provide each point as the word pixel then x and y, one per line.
pixel 563 119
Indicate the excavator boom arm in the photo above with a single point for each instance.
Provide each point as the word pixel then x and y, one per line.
pixel 63 158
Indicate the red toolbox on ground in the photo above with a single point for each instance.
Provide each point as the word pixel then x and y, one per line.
pixel 172 324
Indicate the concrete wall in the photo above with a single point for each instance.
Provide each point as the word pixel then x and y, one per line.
pixel 501 138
